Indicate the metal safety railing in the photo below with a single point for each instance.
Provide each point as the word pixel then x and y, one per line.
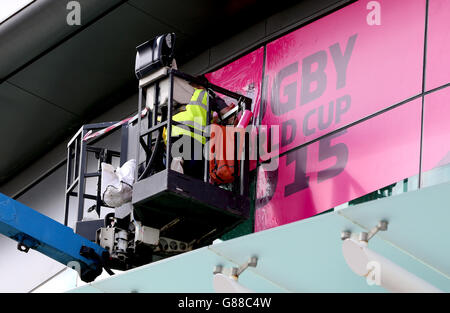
pixel 76 167
pixel 150 139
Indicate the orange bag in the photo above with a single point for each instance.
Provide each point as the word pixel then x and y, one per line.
pixel 221 161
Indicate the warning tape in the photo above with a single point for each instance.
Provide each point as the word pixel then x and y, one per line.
pixel 90 135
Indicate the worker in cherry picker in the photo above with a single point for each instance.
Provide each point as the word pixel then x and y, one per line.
pixel 189 133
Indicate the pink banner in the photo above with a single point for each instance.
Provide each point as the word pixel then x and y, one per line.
pixel 438 44
pixel 243 76
pixel 343 67
pixel 436 135
pixel 340 167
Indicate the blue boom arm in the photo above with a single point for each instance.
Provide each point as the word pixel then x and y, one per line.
pixel 33 230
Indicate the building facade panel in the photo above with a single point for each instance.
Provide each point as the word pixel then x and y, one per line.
pixel 340 167
pixel 438 44
pixel 342 68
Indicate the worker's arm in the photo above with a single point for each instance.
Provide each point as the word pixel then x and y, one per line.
pixel 220 106
pixel 223 112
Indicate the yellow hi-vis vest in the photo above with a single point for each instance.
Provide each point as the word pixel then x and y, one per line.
pixel 193 119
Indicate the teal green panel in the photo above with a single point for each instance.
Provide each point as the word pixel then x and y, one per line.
pixel 302 257
pixel 418 223
pixel 409 263
pixel 85 289
pixel 189 272
pixel 306 256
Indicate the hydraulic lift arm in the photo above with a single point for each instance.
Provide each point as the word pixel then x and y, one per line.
pixel 33 230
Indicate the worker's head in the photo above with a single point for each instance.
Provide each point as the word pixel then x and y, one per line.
pixel 202 80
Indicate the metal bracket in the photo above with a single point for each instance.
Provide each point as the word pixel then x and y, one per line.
pixel 366 236
pixel 25 243
pixel 236 271
pixel 22 248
